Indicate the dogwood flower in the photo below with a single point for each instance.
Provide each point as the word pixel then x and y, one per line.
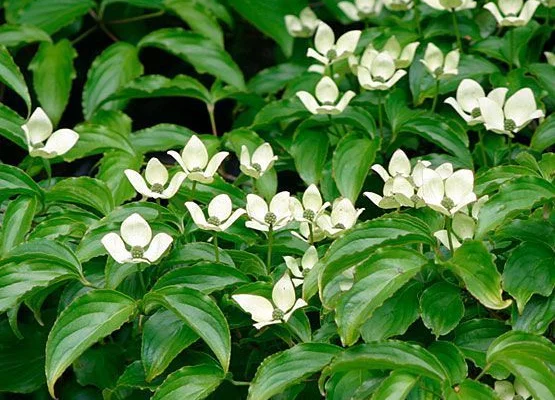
pixel 509 391
pixel 377 71
pixel 220 216
pixel 512 12
pixel 276 216
pixel 549 56
pixel 327 49
pixel 398 5
pixel 402 56
pixel 343 216
pixel 326 98
pixel 194 161
pixel 156 175
pixel 135 234
pixel 311 207
pixel 262 160
pixel 266 312
pixel 302 26
pixel 449 5
pixel 299 268
pixel 509 116
pixel 304 232
pixel 39 129
pixel 450 195
pixel 441 67
pixel 361 9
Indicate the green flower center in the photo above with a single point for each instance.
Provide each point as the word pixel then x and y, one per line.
pixel 414 198
pixel 277 314
pixel 475 113
pixel 510 125
pixel 137 252
pixel 197 169
pixel 157 188
pixel 257 167
pixel 214 221
pixel 37 146
pixel 305 272
pixel 438 71
pixel 270 218
pixel 331 54
pixel 447 203
pixel 379 79
pixel 309 215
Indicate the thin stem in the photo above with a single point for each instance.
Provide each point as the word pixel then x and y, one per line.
pixel 103 26
pixel 449 224
pixel 211 111
pixel 141 278
pixel 253 185
pixel 137 18
pixel 310 234
pixel 238 383
pixel 270 242
pixel 84 35
pixel 193 189
pixel 483 372
pixel 380 113
pixel 417 19
pixel 511 49
pixel 482 148
pixel 216 248
pixel 48 169
pixel 457 31
pixel 436 95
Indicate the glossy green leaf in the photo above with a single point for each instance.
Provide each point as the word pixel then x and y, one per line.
pixel 470 389
pixel 281 111
pixel 16 35
pixel 543 136
pixel 15 181
pixel 10 127
pixel 205 278
pixel 84 191
pixel 110 171
pixel 160 137
pixel 537 316
pixel 395 387
pixel 17 221
pixel 273 79
pixel 192 253
pixel 11 76
pixel 97 139
pixel 451 358
pixel 199 18
pixel 194 382
pixel 442 308
pixel 52 16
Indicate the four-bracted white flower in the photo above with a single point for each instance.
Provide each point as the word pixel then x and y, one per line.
pixel 327 50
pixel 439 66
pixel 156 175
pixel 377 71
pixel 262 160
pixel 512 12
pixel 343 216
pixel 509 116
pixel 302 26
pixel 135 234
pixel 447 195
pixel 39 129
pixel 311 207
pixel 265 312
pixel 326 98
pixel 220 216
pixel 450 5
pixel 402 56
pixel 276 216
pixel 361 9
pixel 194 161
pixel 299 268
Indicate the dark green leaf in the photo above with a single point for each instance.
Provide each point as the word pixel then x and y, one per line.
pixel 442 308
pixel 205 278
pixel 451 358
pixel 17 221
pixel 470 389
pixel 536 317
pixel 84 191
pixel 194 382
pixel 396 386
pixel 16 35
pixel 192 253
pixel 51 16
pixel 11 76
pixel 199 18
pixel 544 136
pixel 15 181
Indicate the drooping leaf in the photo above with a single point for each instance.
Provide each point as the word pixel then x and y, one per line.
pixel 11 76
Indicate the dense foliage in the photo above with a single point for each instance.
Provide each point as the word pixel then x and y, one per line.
pixel 263 199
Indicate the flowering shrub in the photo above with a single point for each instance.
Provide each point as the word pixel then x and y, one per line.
pixel 369 217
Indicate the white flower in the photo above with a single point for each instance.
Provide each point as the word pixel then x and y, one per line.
pixel 136 233
pixel 377 71
pixel 450 195
pixel 398 5
pixel 549 56
pixel 156 175
pixel 402 56
pixel 327 50
pixel 326 98
pixel 300 269
pixel 343 216
pixel 509 391
pixel 219 214
pixel 466 102
pixel 304 232
pixel 449 5
pixel 262 160
pixel 266 312
pixel 39 129
pixel 361 9
pixel 276 216
pixel 513 115
pixel 506 12
pixel 311 207
pixel 441 67
pixel 302 26
pixel 194 161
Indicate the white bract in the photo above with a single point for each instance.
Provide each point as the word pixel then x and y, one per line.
pixel 156 177
pixel 327 50
pixel 402 56
pixel 265 312
pixel 451 5
pixel 326 98
pixel 398 5
pixel 447 195
pixel 302 26
pixel 361 9
pixel 39 129
pixel 377 70
pixel 512 12
pixel 135 243
pixel 261 161
pixel 509 391
pixel 311 207
pixel 439 66
pixel 509 116
pixel 276 216
pixel 299 268
pixel 220 216
pixel 549 56
pixel 304 232
pixel 194 161
pixel 343 216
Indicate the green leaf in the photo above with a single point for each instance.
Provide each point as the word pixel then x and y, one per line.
pixel 544 137
pixel 442 308
pixel 452 360
pixel 536 317
pixel 192 253
pixel 53 74
pixel 545 75
pixel 110 171
pixel 352 159
pixel 134 377
pixel 200 313
pixel 281 111
pixel 10 127
pixel 488 181
pixel 473 263
pixel 16 35
pixel 17 221
pixel 113 68
pixel 83 191
pixel 15 181
pixel 100 366
pixel 470 389
pixel 51 16
pixel 160 137
pixel 345 385
pixel 205 278
pixel 191 382
pixel 273 79
pixel 11 76
pixel 199 18
pixel 396 386
pixel 513 197
pixel 164 337
pixel 376 280
pixel 283 370
pixel 202 53
pixel 154 4
pixel 85 321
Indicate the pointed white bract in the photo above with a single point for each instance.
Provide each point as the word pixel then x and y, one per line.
pixel 265 312
pixel 399 5
pixel 302 26
pixel 41 139
pixel 549 56
pixel 154 182
pixel 261 161
pixel 300 267
pixel 325 102
pixel 135 243
pixel 377 70
pixel 312 205
pixel 327 50
pixel 220 215
pixel 512 12
pixel 439 66
pixel 361 9
pixel 449 5
pixel 343 216
pixel 195 163
pixel 510 116
pixel 263 217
